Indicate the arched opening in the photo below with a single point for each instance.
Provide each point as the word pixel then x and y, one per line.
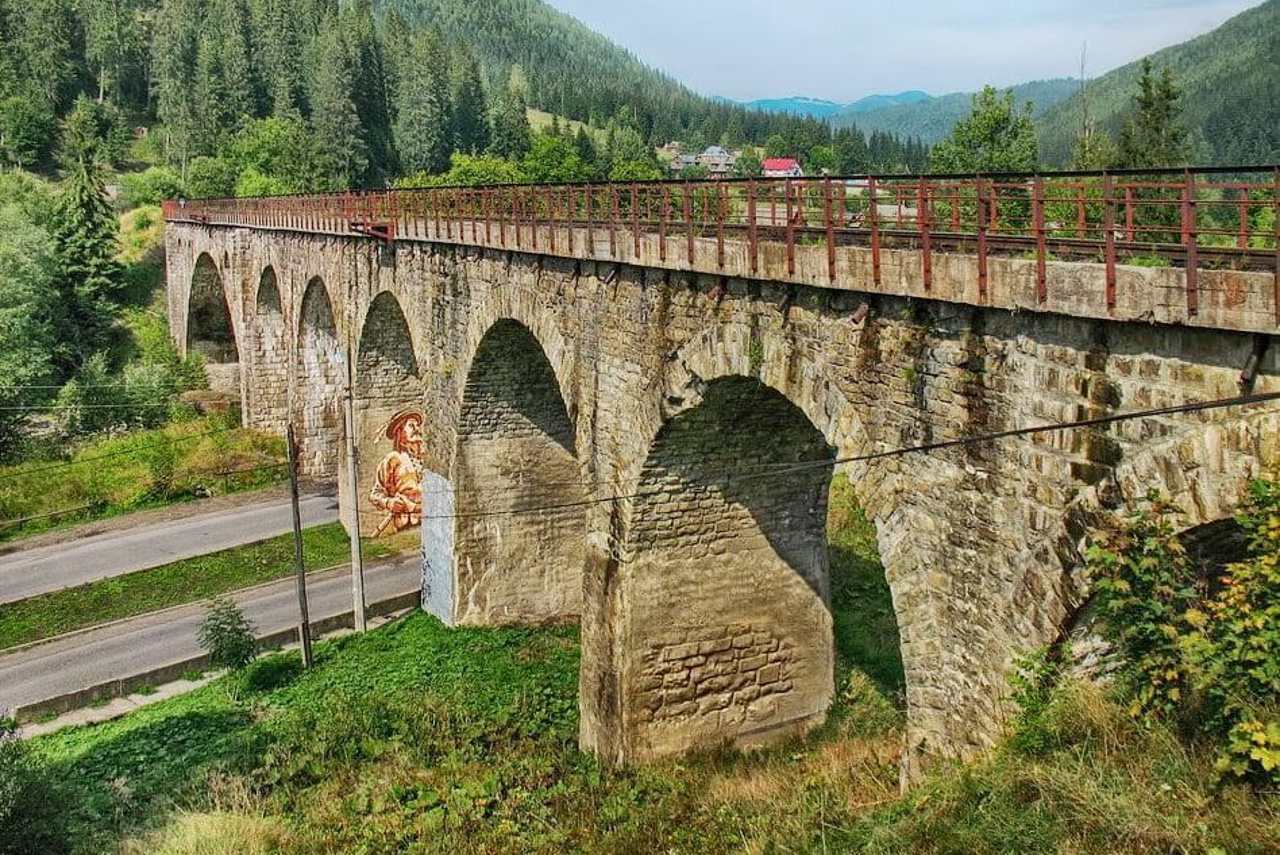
pixel 389 422
pixel 210 331
pixel 269 375
pixel 723 619
pixel 321 378
pixel 516 450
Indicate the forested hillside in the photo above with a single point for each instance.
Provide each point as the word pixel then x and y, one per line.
pixel 1230 83
pixel 932 119
pixel 352 94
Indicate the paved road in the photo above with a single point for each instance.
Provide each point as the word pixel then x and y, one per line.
pixel 148 642
pixel 28 573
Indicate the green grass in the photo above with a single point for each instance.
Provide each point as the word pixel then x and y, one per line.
pixel 186 581
pixel 107 476
pixel 420 739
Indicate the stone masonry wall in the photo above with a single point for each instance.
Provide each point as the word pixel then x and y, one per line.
pixel 267 408
pixel 321 379
pixel 516 450
pixel 723 581
pixel 981 543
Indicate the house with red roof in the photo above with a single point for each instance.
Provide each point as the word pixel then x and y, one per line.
pixel 782 167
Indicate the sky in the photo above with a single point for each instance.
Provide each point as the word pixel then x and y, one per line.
pixel 842 50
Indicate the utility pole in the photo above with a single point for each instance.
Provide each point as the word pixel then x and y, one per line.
pixel 304 622
pixel 353 493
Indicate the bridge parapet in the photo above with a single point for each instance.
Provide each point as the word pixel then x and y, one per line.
pixel 1199 247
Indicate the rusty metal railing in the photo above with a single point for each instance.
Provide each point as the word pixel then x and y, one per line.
pixel 1197 219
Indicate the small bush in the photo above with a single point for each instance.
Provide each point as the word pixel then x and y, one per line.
pixel 211 178
pixel 151 187
pixel 226 635
pixel 1145 584
pixel 31 819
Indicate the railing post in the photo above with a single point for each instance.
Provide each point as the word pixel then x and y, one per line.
pixel 591 221
pixel 613 221
pixel 982 240
pixel 753 238
pixel 831 232
pixel 1242 241
pixel 570 217
pixel 1189 239
pixel 873 215
pixel 688 221
pixel 1109 238
pixel 791 231
pixel 635 220
pixel 1129 232
pixel 1275 206
pixel 1037 219
pixel 926 241
pixel 722 198
pixel 1082 223
pixel 662 223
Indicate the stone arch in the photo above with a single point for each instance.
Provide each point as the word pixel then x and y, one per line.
pixel 321 377
pixel 269 373
pixel 388 421
pixel 211 329
pixel 515 448
pixel 721 617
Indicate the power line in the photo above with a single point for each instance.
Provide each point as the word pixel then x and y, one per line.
pixel 1221 403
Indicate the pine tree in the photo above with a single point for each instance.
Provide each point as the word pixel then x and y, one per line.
pixel 1153 135
pixel 174 58
pixel 397 53
pixel 340 139
pixel 470 110
pixel 280 45
pixel 511 135
pixel 423 130
pixel 92 278
pixel 586 148
pixel 369 92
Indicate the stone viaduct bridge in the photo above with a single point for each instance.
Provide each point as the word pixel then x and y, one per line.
pixel 631 397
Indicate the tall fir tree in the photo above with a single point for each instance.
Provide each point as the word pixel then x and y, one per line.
pixel 175 52
pixel 369 91
pixel 424 129
pixel 92 278
pixel 342 150
pixel 470 108
pixel 1154 135
pixel 511 134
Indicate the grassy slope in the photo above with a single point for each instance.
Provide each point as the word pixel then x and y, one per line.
pixel 118 474
pixel 425 740
pixel 178 583
pixel 1231 83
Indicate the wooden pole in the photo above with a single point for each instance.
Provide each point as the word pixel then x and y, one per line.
pixel 304 620
pixel 353 493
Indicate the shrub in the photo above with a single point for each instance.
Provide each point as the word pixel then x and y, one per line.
pixel 151 187
pixel 30 816
pixel 1145 584
pixel 1234 650
pixel 226 635
pixel 211 178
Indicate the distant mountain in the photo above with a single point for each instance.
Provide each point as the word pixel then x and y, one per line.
pixel 1230 80
pixel 879 102
pixel 933 119
pixel 818 108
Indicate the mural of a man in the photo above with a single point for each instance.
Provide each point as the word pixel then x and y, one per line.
pixel 397 487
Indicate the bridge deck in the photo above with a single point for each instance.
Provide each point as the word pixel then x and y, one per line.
pixel 1195 247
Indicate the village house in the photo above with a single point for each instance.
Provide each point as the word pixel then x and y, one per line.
pixel 782 167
